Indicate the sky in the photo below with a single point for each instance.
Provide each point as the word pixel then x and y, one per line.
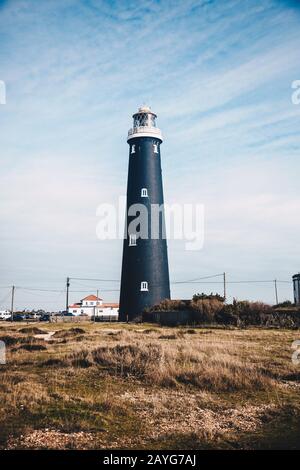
pixel 219 75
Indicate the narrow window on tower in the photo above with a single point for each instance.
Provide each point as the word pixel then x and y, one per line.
pixel 133 148
pixel 155 148
pixel 144 192
pixel 132 239
pixel 144 286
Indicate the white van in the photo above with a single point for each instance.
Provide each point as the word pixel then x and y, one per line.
pixel 5 314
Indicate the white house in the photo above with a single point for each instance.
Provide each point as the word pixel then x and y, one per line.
pixel 94 306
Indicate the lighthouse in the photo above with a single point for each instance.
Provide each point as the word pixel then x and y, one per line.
pixel 145 272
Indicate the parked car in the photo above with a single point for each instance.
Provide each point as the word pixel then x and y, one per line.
pixel 18 317
pixel 32 316
pixel 45 317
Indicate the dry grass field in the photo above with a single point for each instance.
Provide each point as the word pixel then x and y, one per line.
pixel 94 386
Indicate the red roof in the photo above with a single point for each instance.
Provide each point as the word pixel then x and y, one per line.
pixel 75 306
pixel 112 305
pixel 91 297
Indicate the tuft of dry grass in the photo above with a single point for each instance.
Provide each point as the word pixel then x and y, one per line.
pixel 13 339
pixel 68 333
pixel 129 359
pixel 148 331
pixel 31 347
pixel 168 337
pixel 32 330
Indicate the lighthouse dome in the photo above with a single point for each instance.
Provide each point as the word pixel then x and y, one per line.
pixel 145 109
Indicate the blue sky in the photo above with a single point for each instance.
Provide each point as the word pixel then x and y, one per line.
pixel 218 74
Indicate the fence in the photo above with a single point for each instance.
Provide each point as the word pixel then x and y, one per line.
pixel 170 318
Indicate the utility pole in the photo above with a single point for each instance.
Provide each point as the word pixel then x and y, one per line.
pixel 12 302
pixel 67 294
pixel 224 281
pixel 96 306
pixel 276 291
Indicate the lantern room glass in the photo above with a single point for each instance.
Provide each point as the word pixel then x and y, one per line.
pixel 144 120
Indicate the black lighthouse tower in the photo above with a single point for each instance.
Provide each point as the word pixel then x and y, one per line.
pixel 145 271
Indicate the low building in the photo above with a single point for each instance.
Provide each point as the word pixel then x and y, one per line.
pixel 94 306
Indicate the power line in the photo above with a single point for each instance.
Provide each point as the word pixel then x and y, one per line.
pixel 118 280
pixel 39 289
pixel 93 279
pixel 196 280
